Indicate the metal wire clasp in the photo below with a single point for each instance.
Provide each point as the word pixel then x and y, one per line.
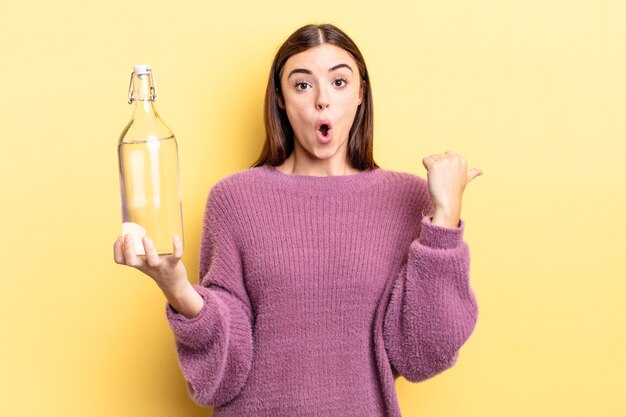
pixel 131 90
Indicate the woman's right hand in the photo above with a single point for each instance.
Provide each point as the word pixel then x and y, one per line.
pixel 168 271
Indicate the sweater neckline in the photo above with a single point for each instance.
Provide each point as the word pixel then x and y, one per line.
pixel 324 184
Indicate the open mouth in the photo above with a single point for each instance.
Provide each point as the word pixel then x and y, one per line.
pixel 324 127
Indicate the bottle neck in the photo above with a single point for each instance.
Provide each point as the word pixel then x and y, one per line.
pixel 143 95
pixel 144 108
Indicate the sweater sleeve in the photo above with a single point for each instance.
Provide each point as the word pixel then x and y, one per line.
pixel 432 309
pixel 215 348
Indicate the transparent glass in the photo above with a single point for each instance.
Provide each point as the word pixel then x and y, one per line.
pixel 149 173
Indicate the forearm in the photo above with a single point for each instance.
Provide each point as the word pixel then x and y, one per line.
pixel 431 314
pixel 184 299
pixel 432 309
pixel 215 347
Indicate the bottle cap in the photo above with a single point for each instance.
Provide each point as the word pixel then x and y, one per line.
pixel 141 69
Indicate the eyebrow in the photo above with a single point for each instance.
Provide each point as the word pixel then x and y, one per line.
pixel 306 71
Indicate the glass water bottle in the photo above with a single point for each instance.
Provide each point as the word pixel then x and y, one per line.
pixel 149 173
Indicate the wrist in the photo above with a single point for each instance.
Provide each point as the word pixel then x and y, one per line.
pixel 175 292
pixel 446 217
pixel 186 301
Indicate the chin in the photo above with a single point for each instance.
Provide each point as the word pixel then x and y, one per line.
pixel 325 153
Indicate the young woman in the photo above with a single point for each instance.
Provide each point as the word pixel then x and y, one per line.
pixel 323 277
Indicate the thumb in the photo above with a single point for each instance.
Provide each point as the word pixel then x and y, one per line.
pixel 473 173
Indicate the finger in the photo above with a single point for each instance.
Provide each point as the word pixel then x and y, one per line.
pixel 177 254
pixel 428 161
pixel 473 173
pixel 178 248
pixel 152 257
pixel 118 254
pixel 129 252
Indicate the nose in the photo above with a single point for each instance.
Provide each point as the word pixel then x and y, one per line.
pixel 322 101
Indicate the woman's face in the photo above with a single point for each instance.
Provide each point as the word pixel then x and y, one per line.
pixel 321 92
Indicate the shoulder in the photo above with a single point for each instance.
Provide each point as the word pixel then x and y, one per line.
pixel 407 181
pixel 235 184
pixel 238 179
pixel 407 190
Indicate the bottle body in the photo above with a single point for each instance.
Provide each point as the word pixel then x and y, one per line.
pixel 149 174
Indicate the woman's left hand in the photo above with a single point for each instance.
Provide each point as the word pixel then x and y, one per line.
pixel 447 177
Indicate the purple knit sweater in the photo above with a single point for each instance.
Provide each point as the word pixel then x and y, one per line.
pixel 319 292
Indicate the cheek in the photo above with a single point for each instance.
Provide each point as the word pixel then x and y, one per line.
pixel 297 117
pixel 294 113
pixel 297 108
pixel 351 101
pixel 349 109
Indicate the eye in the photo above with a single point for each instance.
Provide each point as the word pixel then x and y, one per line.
pixel 340 82
pixel 301 85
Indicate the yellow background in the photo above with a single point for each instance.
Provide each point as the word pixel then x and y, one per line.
pixel 532 92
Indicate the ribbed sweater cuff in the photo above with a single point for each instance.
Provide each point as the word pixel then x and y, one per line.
pixel 441 237
pixel 194 331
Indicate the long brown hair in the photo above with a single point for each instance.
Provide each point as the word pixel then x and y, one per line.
pixel 279 137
